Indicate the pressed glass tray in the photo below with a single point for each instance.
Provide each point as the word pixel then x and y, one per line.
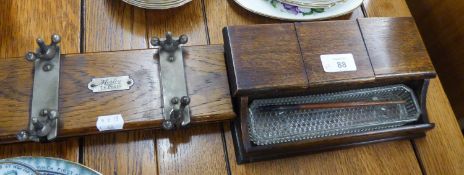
pixel 281 126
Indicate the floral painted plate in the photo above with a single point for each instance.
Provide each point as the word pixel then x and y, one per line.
pixel 278 10
pixel 42 165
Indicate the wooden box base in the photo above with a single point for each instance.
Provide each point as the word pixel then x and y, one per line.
pixel 247 152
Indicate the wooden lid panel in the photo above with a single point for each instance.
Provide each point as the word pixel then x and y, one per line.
pixel 332 37
pixel 395 47
pixel 264 57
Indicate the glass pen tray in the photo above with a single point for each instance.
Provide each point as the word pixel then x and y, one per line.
pixel 282 120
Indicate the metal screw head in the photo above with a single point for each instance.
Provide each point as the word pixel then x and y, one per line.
pixel 44 112
pixel 35 120
pixel 22 135
pixel 183 39
pixel 40 42
pixel 155 41
pixel 52 114
pixel 185 100
pixel 56 38
pixel 47 67
pixel 175 100
pixel 168 124
pixel 30 56
pixel 168 37
pixel 44 130
pixel 49 54
pixel 42 46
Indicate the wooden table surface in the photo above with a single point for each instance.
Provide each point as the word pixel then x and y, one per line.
pixel 109 25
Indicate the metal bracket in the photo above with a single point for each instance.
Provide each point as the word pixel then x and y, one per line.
pixel 176 111
pixel 43 119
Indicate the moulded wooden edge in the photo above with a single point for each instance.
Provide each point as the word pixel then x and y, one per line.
pixel 246 156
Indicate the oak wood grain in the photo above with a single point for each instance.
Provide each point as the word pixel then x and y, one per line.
pixel 16 76
pixel 441 152
pixel 80 107
pixel 21 22
pixel 66 149
pixel 396 47
pixel 140 106
pixel 332 37
pixel 207 83
pixel 198 149
pixel 382 158
pixel 386 8
pixel 187 19
pixel 131 152
pixel 208 70
pixel 194 150
pixel 113 25
pixel 254 67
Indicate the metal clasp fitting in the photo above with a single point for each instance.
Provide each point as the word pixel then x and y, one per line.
pixel 176 111
pixel 43 118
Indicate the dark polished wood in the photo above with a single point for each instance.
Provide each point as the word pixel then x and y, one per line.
pixel 140 106
pixel 251 153
pixel 395 47
pixel 265 57
pixel 333 37
pixel 388 64
pixel 379 60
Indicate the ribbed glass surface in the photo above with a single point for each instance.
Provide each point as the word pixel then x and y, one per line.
pixel 280 126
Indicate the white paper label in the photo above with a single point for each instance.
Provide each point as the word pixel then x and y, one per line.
pixel 338 62
pixel 110 122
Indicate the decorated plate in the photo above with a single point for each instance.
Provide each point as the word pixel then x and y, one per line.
pixel 278 10
pixel 42 165
pixel 157 4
